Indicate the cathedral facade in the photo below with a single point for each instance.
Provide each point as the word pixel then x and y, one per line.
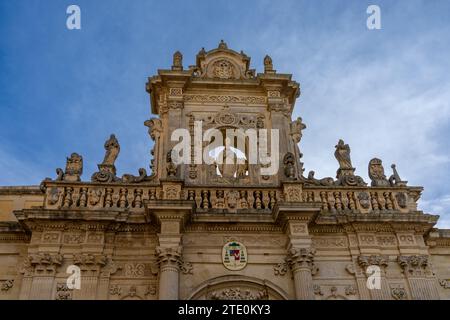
pixel 221 230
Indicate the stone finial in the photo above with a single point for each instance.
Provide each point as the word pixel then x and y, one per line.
pixel 394 179
pixel 222 45
pixel 376 173
pixel 268 65
pixel 177 61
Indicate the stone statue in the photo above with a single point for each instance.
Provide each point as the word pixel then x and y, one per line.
pixel 171 166
pixel 296 129
pixel 112 148
pixel 376 173
pixel 342 155
pixel 395 180
pixel 177 61
pixel 289 165
pixel 328 181
pixel 154 127
pixel 268 65
pixel 74 168
pixel 129 178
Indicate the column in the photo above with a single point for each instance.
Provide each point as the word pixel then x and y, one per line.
pixel 169 260
pixel 301 262
pixel 380 261
pixel 44 268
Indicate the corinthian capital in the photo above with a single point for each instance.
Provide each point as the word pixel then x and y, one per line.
pixel 169 255
pixel 302 258
pixel 414 265
pixel 374 260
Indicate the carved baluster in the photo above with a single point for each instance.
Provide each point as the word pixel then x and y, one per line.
pixel 345 201
pixel 191 195
pixel 152 194
pixel 198 199
pixel 258 200
pixel 213 198
pixel 265 199
pixel 338 201
pixel 310 197
pixel 243 201
pixel 250 199
pixel 108 197
pixel 83 197
pixel 123 198
pixel 138 198
pixel 205 200
pixel 374 201
pixel 68 197
pixel 331 202
pixel 323 198
pixel 351 200
pixel 388 200
pixel 273 199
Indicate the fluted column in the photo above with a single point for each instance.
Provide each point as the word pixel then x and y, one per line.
pixel 43 266
pixel 380 261
pixel 301 262
pixel 169 260
pixel 90 266
pixel 419 276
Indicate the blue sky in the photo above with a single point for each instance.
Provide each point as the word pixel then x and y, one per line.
pixel 385 92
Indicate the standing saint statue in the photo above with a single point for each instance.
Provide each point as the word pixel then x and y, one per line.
pixel 112 148
pixel 342 155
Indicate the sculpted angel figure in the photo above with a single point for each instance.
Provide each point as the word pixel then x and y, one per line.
pixel 297 127
pixel 342 155
pixel 112 148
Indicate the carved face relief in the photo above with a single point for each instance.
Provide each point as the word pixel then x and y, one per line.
pixel 364 200
pixel 401 199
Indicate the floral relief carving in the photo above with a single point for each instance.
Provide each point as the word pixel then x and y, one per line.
pixel 239 294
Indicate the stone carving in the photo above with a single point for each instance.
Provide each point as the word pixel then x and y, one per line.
pixel 171 256
pixel 416 265
pixel 6 285
pixel 364 200
pixel 74 169
pixel 134 270
pixel 129 178
pixel 293 193
pixel 115 290
pixel 63 292
pixel 350 291
pixel 90 262
pixel 297 127
pixel 401 199
pixel 328 181
pixel 239 294
pixel 281 268
pixel 154 128
pixel 376 173
pixel 171 168
pixel 53 196
pixel 268 64
pixel 42 262
pixel 107 170
pixel 317 290
pixel 395 180
pixel 301 258
pixel 212 98
pixel 398 292
pixel 177 64
pixel 94 196
pixel 377 260
pixel 289 165
pixel 444 283
pixel 345 173
pixel 223 69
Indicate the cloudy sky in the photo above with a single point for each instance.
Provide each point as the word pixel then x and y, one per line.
pixel 385 92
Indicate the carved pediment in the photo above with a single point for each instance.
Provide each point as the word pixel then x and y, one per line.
pixel 223 63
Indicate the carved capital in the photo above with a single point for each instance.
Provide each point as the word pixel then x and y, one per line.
pixel 90 262
pixel 374 260
pixel 416 265
pixel 302 258
pixel 171 257
pixel 41 264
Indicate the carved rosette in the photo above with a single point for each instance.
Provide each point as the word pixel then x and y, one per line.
pixel 416 265
pixel 302 258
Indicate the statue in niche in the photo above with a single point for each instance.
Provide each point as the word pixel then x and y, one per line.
pixel 342 155
pixel 376 173
pixel 297 127
pixel 112 148
pixel 177 61
pixel 289 165
pixel 171 166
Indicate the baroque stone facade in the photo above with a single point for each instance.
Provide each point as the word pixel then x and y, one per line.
pixel 208 231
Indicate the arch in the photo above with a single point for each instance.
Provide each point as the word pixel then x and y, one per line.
pixel 238 287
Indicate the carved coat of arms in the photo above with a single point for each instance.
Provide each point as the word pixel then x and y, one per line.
pixel 234 256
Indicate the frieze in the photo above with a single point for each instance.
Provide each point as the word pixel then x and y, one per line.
pixel 211 98
pixel 329 242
